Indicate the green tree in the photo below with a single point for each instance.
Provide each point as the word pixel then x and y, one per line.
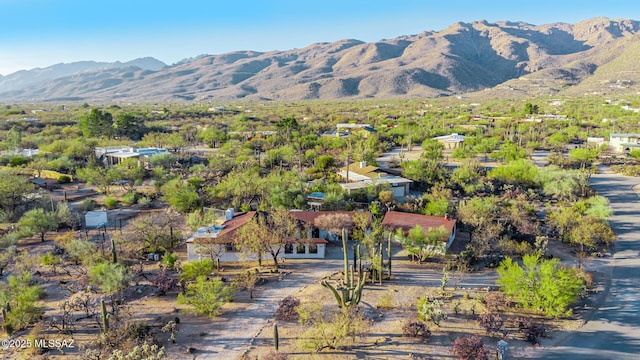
pixel 98 176
pixel 96 124
pixel 432 150
pixel 590 232
pixel 509 152
pixel 128 171
pixel 486 146
pixel 585 157
pixel 181 195
pixel 423 244
pixel 211 136
pixel 521 172
pixel 22 296
pixel 478 211
pixel 13 139
pixel 82 252
pixel 287 125
pixel 129 125
pixel 38 221
pixel 13 189
pixel 206 296
pixel 541 285
pixel 424 172
pixel 194 269
pixel 530 108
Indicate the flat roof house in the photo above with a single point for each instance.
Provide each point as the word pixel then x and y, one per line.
pixel 452 141
pixel 360 176
pixel 623 143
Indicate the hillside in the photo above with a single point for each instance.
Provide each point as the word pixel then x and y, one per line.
pixel 490 59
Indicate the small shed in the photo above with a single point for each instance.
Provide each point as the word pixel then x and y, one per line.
pixel 95 219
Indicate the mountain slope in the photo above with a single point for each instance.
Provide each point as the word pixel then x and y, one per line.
pixel 493 58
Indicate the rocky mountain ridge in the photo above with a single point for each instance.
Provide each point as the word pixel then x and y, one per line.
pixel 494 59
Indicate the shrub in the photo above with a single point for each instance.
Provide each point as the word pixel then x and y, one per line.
pixel 206 296
pixel 88 205
pixel 110 203
pixel 50 259
pixel 64 179
pixel 130 198
pixel 431 310
pixel 170 259
pixel 491 323
pixel 288 308
pixel 18 161
pixel 111 278
pixel 386 301
pixel 495 300
pixel 470 348
pixel 416 329
pixel 164 282
pixel 144 202
pixel 531 331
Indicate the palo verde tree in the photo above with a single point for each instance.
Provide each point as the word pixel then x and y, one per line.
pixel 38 221
pixel 423 244
pixel 206 296
pixel 541 285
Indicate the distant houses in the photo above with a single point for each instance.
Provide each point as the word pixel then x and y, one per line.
pixel 452 141
pixel 114 155
pixel 344 130
pixel 623 143
pixel 359 176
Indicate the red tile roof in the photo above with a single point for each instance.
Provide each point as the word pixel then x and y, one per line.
pixel 406 221
pixel 229 229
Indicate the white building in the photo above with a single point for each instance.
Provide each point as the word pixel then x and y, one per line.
pixel 218 242
pixel 623 143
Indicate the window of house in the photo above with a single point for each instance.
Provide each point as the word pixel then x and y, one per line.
pixel 288 249
pixel 313 249
pixel 300 249
pixel 229 248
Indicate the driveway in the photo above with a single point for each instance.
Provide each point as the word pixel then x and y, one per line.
pixel 614 329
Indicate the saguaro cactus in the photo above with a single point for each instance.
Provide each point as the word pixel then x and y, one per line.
pixel 349 292
pixel 389 253
pixel 105 317
pixel 275 336
pixel 114 255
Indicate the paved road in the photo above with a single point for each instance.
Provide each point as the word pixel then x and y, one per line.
pixel 614 330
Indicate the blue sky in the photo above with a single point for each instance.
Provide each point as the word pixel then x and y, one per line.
pixel 39 33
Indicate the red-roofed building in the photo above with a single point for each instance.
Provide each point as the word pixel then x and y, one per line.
pixel 218 242
pixel 395 220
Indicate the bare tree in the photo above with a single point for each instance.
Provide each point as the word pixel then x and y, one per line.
pixel 267 233
pixel 334 223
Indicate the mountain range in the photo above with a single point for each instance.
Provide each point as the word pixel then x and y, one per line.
pixel 479 58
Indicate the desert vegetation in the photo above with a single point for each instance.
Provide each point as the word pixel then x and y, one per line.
pixel 527 225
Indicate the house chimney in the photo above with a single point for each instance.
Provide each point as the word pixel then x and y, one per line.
pixel 228 215
pixel 363 164
pixel 446 216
